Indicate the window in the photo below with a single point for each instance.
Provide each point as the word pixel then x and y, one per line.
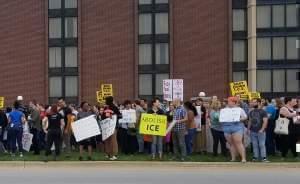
pixel 292 82
pixel 54 57
pixel 239 51
pixel 238 76
pixel 263 48
pixel 55 86
pixel 145 1
pixel 278 48
pixel 161 23
pixel 71 57
pixel 159 83
pixel 71 86
pixel 162 53
pixel 292 51
pixel 54 4
pixel 145 24
pixel 161 1
pixel 54 27
pixel 145 54
pixel 278 16
pixel 278 80
pixel 263 16
pixel 263 80
pixel 71 27
pixel 145 84
pixel 70 3
pixel 292 15
pixel 239 20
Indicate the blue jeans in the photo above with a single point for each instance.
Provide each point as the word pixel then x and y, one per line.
pixel 258 142
pixel 189 140
pixel 233 128
pixel 157 145
pixel 16 137
pixel 179 143
pixel 140 140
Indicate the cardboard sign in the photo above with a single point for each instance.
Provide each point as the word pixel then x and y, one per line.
pixel 100 98
pixel 27 141
pixel 108 127
pixel 1 102
pixel 107 90
pixel 254 95
pixel 152 124
pixel 298 148
pixel 230 115
pixel 85 128
pixel 178 89
pixel 240 88
pixel 168 90
pixel 128 116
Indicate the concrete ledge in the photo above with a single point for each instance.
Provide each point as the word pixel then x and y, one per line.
pixel 128 164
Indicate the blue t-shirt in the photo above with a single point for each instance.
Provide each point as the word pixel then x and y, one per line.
pixel 16 118
pixel 270 109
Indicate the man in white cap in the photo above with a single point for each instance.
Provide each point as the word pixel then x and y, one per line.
pixel 21 108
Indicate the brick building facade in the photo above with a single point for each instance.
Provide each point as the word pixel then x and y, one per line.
pixel 53 48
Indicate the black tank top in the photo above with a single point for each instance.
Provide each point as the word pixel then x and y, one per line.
pixel 292 127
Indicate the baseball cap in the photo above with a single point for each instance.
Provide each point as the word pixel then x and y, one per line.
pixel 20 98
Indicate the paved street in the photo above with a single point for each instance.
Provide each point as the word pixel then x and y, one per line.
pixel 154 174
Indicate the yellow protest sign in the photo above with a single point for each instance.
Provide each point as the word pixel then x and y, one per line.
pixel 239 88
pixel 107 90
pixel 99 97
pixel 254 95
pixel 152 124
pixel 1 102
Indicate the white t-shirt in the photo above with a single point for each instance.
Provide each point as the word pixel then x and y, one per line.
pixel 232 114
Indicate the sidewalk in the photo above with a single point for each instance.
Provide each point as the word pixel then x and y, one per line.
pixel 141 164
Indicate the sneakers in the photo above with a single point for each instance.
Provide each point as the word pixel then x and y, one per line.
pixel 265 160
pixel 21 155
pixel 254 159
pixel 113 158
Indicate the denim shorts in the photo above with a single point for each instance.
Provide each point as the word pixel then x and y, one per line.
pixel 233 128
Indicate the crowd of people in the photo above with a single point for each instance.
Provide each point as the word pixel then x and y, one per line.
pixel 52 133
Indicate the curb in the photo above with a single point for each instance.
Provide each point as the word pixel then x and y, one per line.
pixel 149 164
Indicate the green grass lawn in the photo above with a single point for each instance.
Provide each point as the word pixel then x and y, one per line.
pixel 97 156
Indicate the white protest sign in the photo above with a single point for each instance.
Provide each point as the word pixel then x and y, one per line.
pixel 168 90
pixel 85 128
pixel 108 127
pixel 178 89
pixel 198 118
pixel 230 115
pixel 128 116
pixel 298 148
pixel 27 141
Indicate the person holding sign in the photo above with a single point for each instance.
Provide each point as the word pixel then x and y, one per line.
pixel 231 118
pixel 87 142
pixel 55 124
pixel 111 143
pixel 157 141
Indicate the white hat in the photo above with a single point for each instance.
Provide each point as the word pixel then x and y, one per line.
pixel 202 94
pixel 20 98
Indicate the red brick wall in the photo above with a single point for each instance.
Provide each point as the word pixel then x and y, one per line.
pixel 200 45
pixel 107 40
pixel 22 50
